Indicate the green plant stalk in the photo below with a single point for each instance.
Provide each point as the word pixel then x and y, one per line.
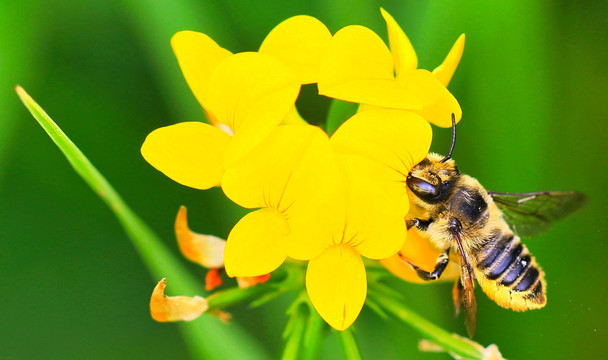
pixel 207 337
pixel 294 332
pixel 446 340
pixel 350 348
pixel 314 334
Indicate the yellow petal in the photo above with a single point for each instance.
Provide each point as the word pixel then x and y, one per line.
pixel 198 55
pixel 245 282
pixel 438 104
pixel 189 153
pixel 398 139
pixel 252 94
pixel 206 250
pixel 358 67
pixel 292 171
pixel 337 285
pixel 375 209
pixel 293 117
pixel 444 72
pixel 419 251
pixel 403 52
pixel 256 245
pixel 379 147
pixel 300 42
pixel 175 308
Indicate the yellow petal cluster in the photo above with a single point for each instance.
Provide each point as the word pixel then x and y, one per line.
pixel 359 68
pixel 328 201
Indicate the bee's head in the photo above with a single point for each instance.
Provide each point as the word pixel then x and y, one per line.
pixel 432 180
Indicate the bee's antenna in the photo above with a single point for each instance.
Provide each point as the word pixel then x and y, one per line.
pixel 453 139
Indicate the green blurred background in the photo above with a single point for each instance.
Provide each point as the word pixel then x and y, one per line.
pixel 534 91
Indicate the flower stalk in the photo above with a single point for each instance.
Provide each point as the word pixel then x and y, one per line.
pixel 349 345
pixel 395 307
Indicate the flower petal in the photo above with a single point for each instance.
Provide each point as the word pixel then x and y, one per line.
pixel 189 153
pixel 444 72
pixel 198 55
pixel 438 104
pixel 245 282
pixel 375 209
pixel 403 52
pixel 398 139
pixel 213 279
pixel 252 94
pixel 292 171
pixel 419 251
pixel 378 148
pixel 337 285
pixel 206 250
pixel 175 308
pixel 300 42
pixel 256 245
pixel 358 67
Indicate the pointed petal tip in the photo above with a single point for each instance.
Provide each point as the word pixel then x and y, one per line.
pixel 336 283
pixel 445 71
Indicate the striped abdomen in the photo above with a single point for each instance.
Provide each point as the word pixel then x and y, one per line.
pixel 508 273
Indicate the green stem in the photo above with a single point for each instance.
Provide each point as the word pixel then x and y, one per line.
pixel 294 332
pixel 314 335
pixel 446 340
pixel 350 348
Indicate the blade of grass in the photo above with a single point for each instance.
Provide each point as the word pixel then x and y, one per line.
pixel 207 337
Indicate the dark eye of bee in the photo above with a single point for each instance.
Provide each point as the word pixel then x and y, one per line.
pixel 422 188
pixel 428 192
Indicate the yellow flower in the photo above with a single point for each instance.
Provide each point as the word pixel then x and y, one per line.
pixel 207 251
pixel 245 96
pixel 251 95
pixel 376 149
pixel 293 179
pixel 358 67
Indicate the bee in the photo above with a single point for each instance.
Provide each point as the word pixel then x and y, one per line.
pixel 456 212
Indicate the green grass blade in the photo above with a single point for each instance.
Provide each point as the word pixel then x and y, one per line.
pixel 207 337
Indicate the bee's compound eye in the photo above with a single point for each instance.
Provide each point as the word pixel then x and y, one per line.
pixel 422 188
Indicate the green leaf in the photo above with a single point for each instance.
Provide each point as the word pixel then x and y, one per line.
pixel 339 112
pixel 207 336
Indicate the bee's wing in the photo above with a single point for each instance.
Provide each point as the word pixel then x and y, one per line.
pixel 531 213
pixel 468 285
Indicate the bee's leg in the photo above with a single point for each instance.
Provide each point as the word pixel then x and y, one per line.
pixel 457 296
pixel 442 262
pixel 421 225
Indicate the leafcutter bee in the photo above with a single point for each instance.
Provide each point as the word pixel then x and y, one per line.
pixel 455 212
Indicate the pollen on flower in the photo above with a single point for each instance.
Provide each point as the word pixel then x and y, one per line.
pixel 175 308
